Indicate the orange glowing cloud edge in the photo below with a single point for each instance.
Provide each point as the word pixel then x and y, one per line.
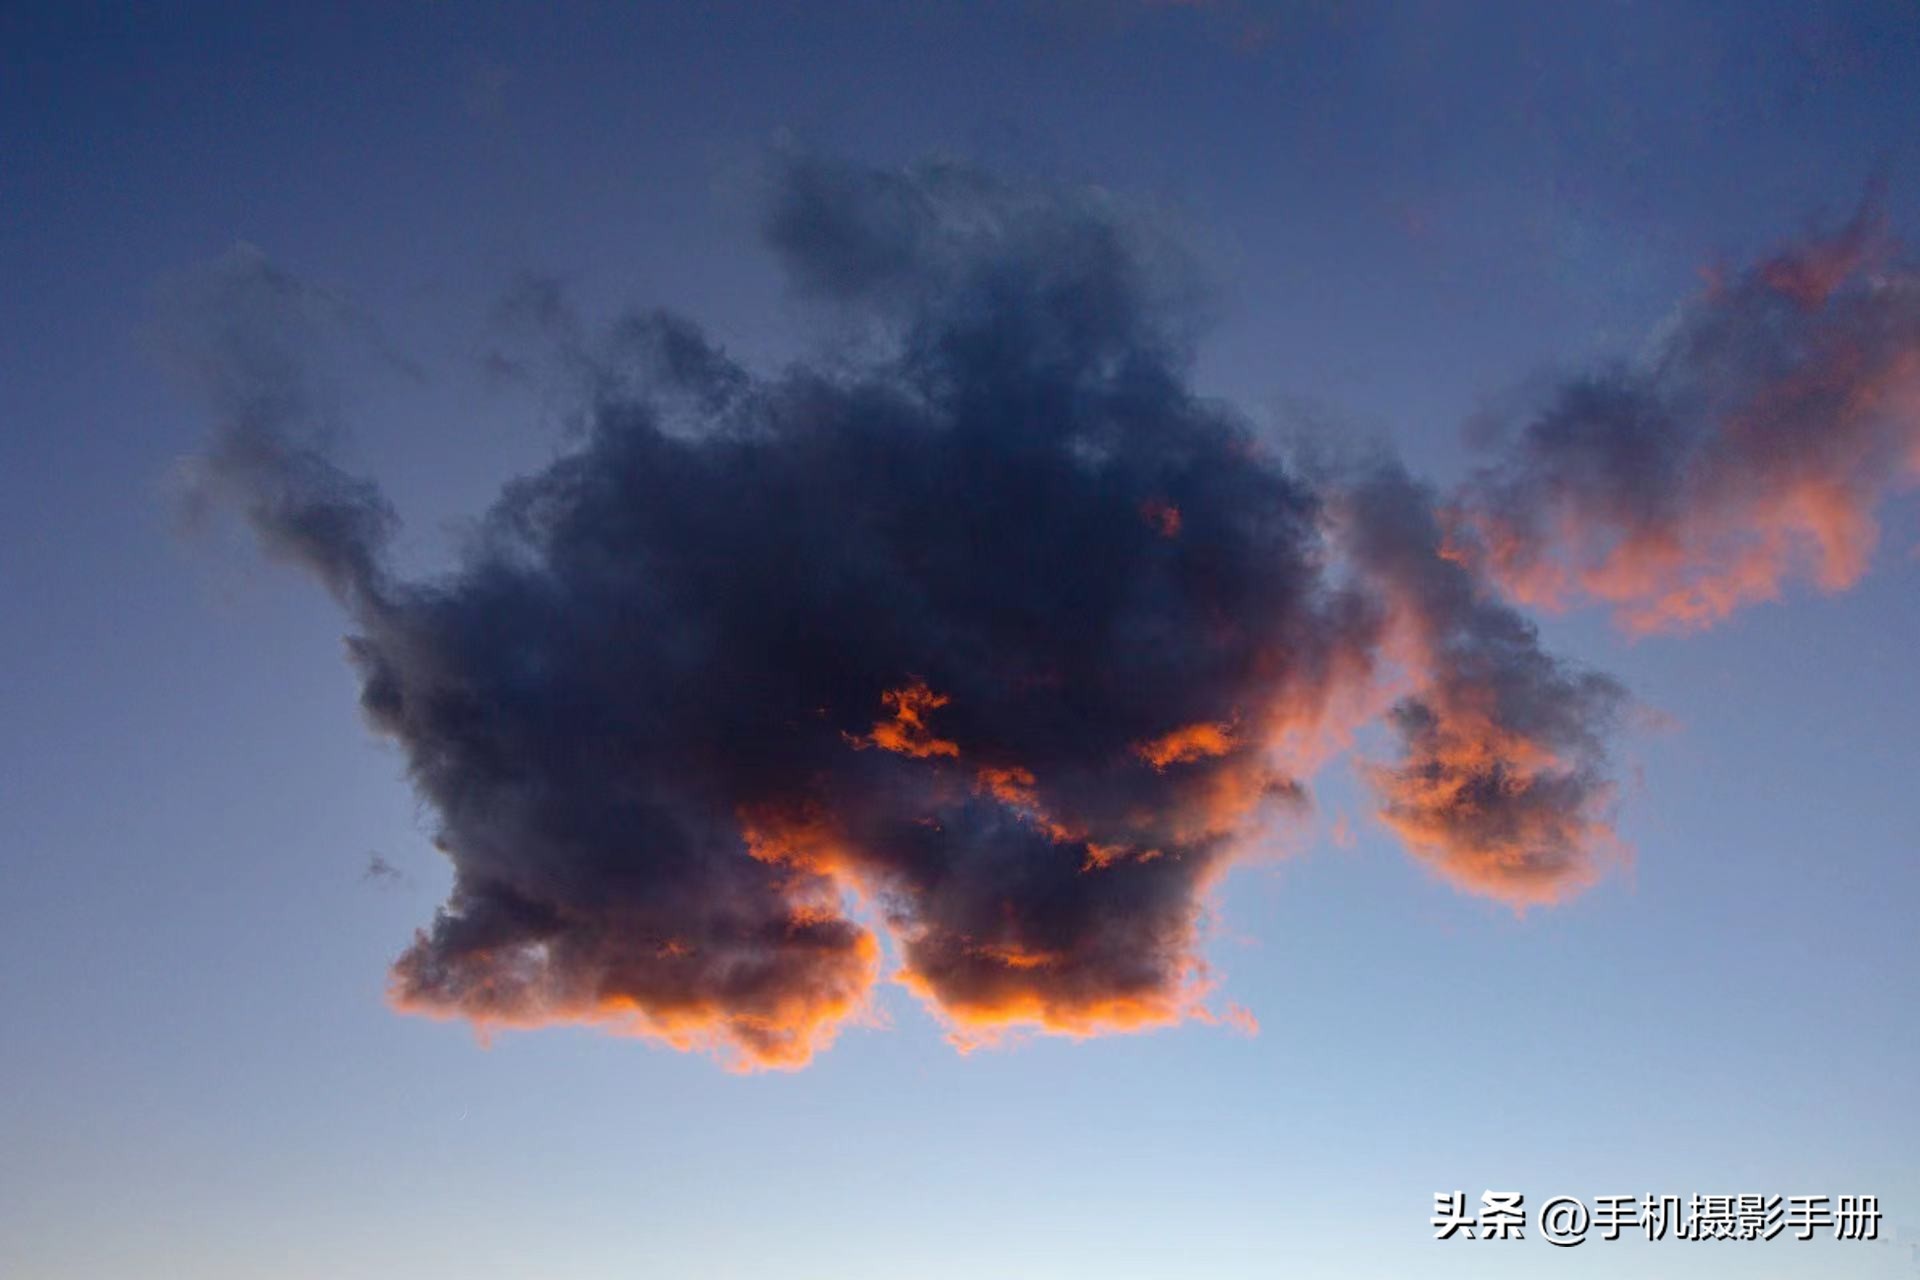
pixel 788 1038
pixel 1188 742
pixel 997 1024
pixel 1550 855
pixel 1299 741
pixel 1707 568
pixel 907 733
pixel 804 840
pixel 1507 873
pixel 1813 519
pixel 1014 1016
pixel 1468 763
pixel 784 1039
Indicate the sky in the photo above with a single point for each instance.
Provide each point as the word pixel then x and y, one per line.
pixel 1162 330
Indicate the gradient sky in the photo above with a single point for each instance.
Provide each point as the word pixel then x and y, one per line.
pixel 1408 211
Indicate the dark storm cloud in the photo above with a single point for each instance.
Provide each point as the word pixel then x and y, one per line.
pixel 1751 448
pixel 1003 634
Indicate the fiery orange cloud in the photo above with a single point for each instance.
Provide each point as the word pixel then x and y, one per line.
pixel 1011 785
pixel 773 1025
pixel 1499 785
pixel 1012 972
pixel 1754 451
pixel 798 836
pixel 1497 788
pixel 1492 811
pixel 907 733
pixel 990 1020
pixel 1015 957
pixel 1105 855
pixel 1190 742
pixel 1014 787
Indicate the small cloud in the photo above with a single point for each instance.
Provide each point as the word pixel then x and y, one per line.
pixel 380 871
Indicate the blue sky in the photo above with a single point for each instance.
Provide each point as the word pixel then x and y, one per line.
pixel 1407 212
